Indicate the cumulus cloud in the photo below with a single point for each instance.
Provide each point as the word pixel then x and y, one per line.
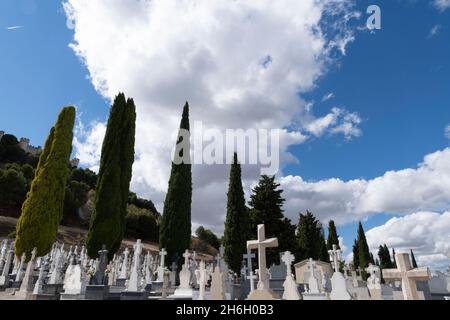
pixel 88 143
pixel 441 5
pixel 240 64
pixel 426 233
pixel 426 187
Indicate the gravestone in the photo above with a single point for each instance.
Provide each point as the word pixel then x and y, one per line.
pixel 3 254
pixel 55 284
pixel 202 277
pixel 263 291
pixel 134 289
pixel 19 272
pixel 277 276
pixel 218 285
pixel 184 291
pixel 4 277
pixel 439 286
pixel 374 282
pixel 26 288
pixel 338 283
pixel 158 283
pixel 312 290
pixel 39 289
pixel 290 286
pixel 123 275
pixel 75 281
pixel 97 289
pixel 148 272
pixel 407 275
pixel 248 283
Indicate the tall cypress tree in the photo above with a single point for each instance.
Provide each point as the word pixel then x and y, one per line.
pixel 175 229
pixel 364 253
pixel 237 223
pixel 309 234
pixel 43 208
pixel 332 236
pixel 107 225
pixel 413 260
pixel 323 250
pixel 389 261
pixel 266 208
pixel 355 251
pixel 394 262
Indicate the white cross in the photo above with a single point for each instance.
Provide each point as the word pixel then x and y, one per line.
pixel 335 257
pixel 162 253
pixel 186 256
pixel 261 245
pixel 288 258
pixel 407 275
pixel 251 276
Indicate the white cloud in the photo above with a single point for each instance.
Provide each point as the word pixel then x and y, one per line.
pixel 240 64
pixel 426 187
pixel 14 27
pixel 88 143
pixel 338 121
pixel 447 131
pixel 441 5
pixel 434 31
pixel 426 233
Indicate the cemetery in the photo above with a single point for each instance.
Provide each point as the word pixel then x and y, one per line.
pixel 67 273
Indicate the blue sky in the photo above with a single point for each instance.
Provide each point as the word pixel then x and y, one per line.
pixel 397 79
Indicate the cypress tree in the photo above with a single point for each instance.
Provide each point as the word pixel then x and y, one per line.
pixel 413 260
pixel 175 229
pixel 237 223
pixel 372 260
pixel 107 224
pixel 332 236
pixel 389 262
pixel 364 253
pixel 323 251
pixel 394 262
pixel 309 234
pixel 286 238
pixel 43 208
pixel 266 208
pixel 355 254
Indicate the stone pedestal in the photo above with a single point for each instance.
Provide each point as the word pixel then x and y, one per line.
pixel 97 292
pixel 52 289
pixel 314 296
pixel 44 297
pixel 134 295
pixel 69 296
pixel 262 295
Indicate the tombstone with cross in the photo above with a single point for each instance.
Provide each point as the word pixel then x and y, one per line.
pixel 135 281
pixel 202 277
pixel 338 283
pixel 263 290
pixel 408 276
pixel 184 291
pixel 289 285
pixel 251 276
pixel 160 271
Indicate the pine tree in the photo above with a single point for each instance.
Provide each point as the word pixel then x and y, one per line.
pixel 175 229
pixel 332 236
pixel 107 224
pixel 309 235
pixel 363 249
pixel 266 208
pixel 355 254
pixel 237 223
pixel 43 208
pixel 413 260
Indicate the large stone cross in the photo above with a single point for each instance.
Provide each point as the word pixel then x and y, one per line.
pixel 335 257
pixel 162 253
pixel 261 245
pixel 407 275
